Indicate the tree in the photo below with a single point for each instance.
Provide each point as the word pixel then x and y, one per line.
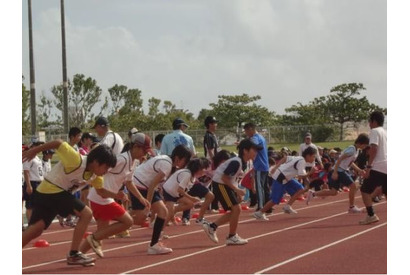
pixel 44 112
pixel 25 110
pixel 233 111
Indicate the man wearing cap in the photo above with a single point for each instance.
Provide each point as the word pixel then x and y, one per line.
pixel 110 138
pixel 211 146
pixel 260 164
pixel 105 208
pixel 303 146
pixel 177 137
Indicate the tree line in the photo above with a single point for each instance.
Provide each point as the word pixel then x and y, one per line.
pixel 124 108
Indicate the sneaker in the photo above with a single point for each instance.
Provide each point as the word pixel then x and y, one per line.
pixel 60 220
pixel 200 221
pixel 376 199
pixel 288 209
pixel 210 232
pixel 185 222
pixel 123 234
pixel 236 240
pixel 369 219
pixel 309 196
pixel 69 223
pixel 158 248
pixel 354 210
pixel 95 245
pixel 260 216
pixel 80 259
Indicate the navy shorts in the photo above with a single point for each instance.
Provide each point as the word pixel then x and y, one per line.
pixel 168 197
pixel 198 190
pixel 47 206
pixel 137 205
pixel 27 197
pixel 374 180
pixel 279 189
pixel 225 195
pixel 343 179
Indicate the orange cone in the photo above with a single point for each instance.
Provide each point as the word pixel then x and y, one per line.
pixel 41 243
pixel 283 200
pixel 178 219
pixel 245 207
pixel 145 224
pixel 222 211
pixel 195 215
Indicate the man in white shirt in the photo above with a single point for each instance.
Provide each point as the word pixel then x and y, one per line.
pixel 110 138
pixel 376 169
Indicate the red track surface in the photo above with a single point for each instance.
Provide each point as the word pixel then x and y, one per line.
pixel 321 238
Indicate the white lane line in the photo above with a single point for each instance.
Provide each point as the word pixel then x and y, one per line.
pixel 319 249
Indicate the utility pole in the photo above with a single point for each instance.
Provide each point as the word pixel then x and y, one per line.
pixel 32 75
pixel 65 83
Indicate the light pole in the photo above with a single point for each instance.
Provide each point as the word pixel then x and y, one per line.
pixel 65 83
pixel 32 75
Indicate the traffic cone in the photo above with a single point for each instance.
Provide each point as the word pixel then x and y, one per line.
pixel 41 243
pixel 301 198
pixel 346 189
pixel 245 207
pixel 86 234
pixel 145 224
pixel 195 215
pixel 177 219
pixel 283 200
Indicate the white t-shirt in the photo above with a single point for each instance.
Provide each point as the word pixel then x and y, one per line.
pixel 294 166
pixel 352 154
pixel 181 178
pixel 115 178
pixel 114 141
pixel 303 147
pixel 146 172
pixel 232 167
pixel 35 168
pixel 378 136
pixel 46 167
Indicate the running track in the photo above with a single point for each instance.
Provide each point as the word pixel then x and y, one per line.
pixel 321 239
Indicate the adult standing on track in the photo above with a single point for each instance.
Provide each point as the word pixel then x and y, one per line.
pixel 110 138
pixel 376 169
pixel 303 146
pixel 260 165
pixel 177 137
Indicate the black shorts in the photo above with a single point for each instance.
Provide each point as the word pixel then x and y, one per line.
pixel 168 197
pixel 137 205
pixel 198 190
pixel 47 206
pixel 374 180
pixel 27 197
pixel 316 184
pixel 225 195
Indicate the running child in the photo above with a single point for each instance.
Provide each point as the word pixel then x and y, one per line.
pixel 228 193
pixel 103 205
pixel 284 181
pixel 340 176
pixel 54 196
pixel 147 177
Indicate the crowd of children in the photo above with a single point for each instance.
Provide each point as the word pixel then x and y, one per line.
pixel 158 186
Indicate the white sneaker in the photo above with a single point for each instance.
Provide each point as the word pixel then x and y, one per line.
pixel 236 240
pixel 354 210
pixel 95 245
pixel 210 232
pixel 260 216
pixel 369 220
pixel 309 196
pixel 200 221
pixel 158 248
pixel 288 209
pixel 185 222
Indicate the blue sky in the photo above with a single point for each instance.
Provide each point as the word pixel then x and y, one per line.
pixel 189 52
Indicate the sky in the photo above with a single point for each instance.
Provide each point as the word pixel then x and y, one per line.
pixel 189 52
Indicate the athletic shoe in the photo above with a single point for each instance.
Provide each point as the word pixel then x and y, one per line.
pixel 79 259
pixel 260 216
pixel 200 221
pixel 185 222
pixel 95 245
pixel 123 234
pixel 210 232
pixel 236 240
pixel 376 199
pixel 309 196
pixel 158 248
pixel 354 209
pixel 288 209
pixel 60 220
pixel 369 219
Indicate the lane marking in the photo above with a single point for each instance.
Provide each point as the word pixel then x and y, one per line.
pixel 319 249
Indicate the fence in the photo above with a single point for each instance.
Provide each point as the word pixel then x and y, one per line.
pixel 272 134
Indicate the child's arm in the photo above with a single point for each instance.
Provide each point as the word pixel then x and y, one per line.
pixel 131 187
pixel 29 188
pixel 182 192
pixel 158 178
pixel 227 181
pixel 334 174
pixel 31 153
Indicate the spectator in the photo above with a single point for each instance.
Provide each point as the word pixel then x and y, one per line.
pixel 303 146
pixel 158 141
pixel 87 140
pixel 177 137
pixel 211 145
pixel 74 137
pixel 110 138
